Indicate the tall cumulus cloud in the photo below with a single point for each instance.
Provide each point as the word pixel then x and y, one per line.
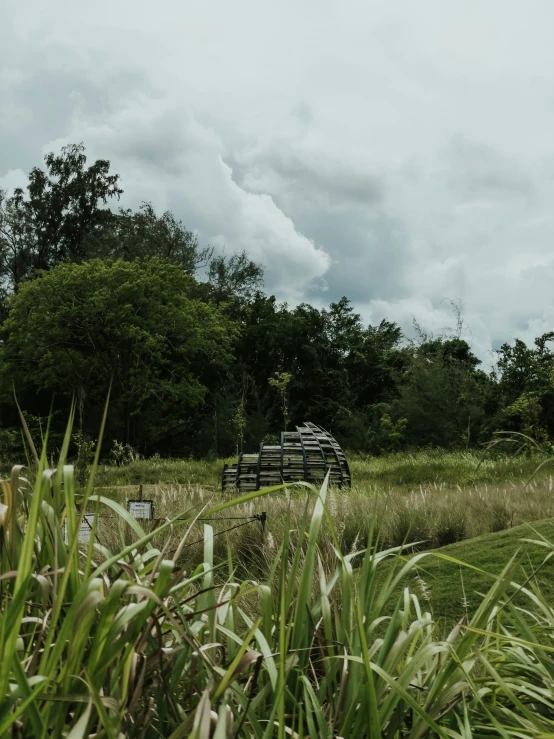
pixel 399 155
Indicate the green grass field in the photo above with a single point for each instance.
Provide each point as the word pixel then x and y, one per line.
pixel 299 630
pixel 402 471
pixel 473 509
pixel 453 591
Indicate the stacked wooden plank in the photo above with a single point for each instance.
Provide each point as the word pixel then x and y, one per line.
pixel 307 453
pixel 334 458
pixel 270 466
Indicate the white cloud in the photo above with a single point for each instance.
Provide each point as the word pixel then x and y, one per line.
pixel 396 153
pixel 12 179
pixel 170 158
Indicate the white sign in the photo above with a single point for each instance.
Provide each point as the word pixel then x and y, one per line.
pixel 141 509
pixel 84 532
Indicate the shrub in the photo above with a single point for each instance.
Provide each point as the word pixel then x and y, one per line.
pixel 405 525
pixel 123 454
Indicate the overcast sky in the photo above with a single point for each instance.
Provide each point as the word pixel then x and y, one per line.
pixel 398 153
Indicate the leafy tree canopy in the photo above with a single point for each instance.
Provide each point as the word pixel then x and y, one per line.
pixel 80 326
pixel 526 386
pixel 99 294
pixel 48 223
pixel 130 235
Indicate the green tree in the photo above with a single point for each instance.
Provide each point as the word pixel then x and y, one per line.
pixel 234 278
pixel 443 395
pixel 340 369
pixel 141 234
pixel 51 221
pixel 280 382
pixel 526 387
pixel 79 327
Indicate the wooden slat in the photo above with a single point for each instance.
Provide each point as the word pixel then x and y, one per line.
pixel 304 454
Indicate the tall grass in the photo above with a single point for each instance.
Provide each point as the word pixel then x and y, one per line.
pixel 434 515
pixel 135 640
pixel 435 497
pixel 405 470
pixel 402 471
pixel 158 470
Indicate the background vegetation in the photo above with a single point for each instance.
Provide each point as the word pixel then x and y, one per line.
pixel 202 361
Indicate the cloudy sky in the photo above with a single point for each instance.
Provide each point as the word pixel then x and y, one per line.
pixel 400 153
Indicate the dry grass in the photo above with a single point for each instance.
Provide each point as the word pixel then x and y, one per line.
pixel 435 515
pixel 403 470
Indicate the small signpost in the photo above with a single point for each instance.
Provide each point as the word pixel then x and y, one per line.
pixel 85 531
pixel 141 509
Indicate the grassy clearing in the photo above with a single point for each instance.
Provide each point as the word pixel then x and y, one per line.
pixel 488 524
pixel 433 513
pixel 440 467
pixel 406 497
pixel 452 592
pixel 142 641
pixel 396 471
pixel 158 471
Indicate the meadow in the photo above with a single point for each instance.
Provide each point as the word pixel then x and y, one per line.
pixel 400 470
pixel 471 506
pixel 434 498
pixel 327 622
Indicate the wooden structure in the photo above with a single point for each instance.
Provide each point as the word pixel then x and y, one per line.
pixel 304 454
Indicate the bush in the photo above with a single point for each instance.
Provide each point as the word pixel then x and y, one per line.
pixel 123 454
pixel 406 525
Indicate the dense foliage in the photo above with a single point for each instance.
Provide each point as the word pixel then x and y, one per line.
pixel 131 324
pixel 201 360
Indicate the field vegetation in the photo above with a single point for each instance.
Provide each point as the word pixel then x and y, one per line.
pixel 435 497
pixel 147 636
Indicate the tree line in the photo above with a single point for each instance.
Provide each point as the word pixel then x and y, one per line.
pixel 199 359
